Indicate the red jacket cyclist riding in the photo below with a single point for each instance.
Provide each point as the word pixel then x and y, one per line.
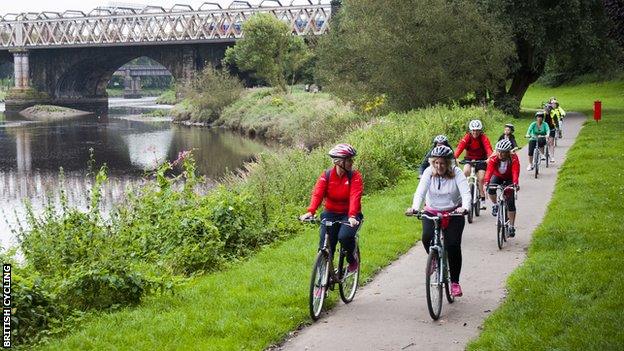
pixel 478 147
pixel 504 169
pixel 341 188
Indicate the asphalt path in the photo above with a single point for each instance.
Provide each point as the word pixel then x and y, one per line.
pixel 390 312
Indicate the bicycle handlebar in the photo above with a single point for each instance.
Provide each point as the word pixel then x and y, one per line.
pixel 325 222
pixel 422 214
pixel 473 162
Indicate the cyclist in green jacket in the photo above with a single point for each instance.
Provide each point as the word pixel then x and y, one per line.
pixel 539 127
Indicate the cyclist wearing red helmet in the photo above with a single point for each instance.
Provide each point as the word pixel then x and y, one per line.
pixel 341 188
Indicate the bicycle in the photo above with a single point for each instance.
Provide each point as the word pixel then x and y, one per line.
pixel 502 219
pixel 560 129
pixel 325 276
pixel 437 273
pixel 475 199
pixel 537 159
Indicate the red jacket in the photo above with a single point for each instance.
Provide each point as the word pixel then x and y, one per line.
pixel 340 196
pixel 476 149
pixel 512 173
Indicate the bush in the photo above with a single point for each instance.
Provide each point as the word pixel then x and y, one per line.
pixel 509 105
pixel 209 93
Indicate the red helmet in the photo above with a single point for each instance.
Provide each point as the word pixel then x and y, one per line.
pixel 342 151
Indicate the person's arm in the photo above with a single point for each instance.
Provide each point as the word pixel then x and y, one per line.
pixel 425 163
pixel 530 131
pixel 547 129
pixel 489 170
pixel 461 146
pixel 486 145
pixel 318 193
pixel 514 143
pixel 563 113
pixel 355 194
pixel 464 189
pixel 421 189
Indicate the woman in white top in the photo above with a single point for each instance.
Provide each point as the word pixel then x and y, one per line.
pixel 444 188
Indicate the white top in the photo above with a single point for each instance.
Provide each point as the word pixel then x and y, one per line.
pixel 442 194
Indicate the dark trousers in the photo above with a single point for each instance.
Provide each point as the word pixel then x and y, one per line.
pixel 511 201
pixel 452 242
pixel 340 232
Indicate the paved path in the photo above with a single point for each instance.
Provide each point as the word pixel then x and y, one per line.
pixel 390 313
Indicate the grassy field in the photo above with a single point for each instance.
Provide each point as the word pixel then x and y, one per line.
pixel 567 294
pixel 255 303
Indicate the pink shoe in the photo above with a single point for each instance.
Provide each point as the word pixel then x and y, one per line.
pixel 456 290
pixel 353 267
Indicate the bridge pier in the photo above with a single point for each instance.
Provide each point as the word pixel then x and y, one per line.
pixel 132 86
pixel 21 69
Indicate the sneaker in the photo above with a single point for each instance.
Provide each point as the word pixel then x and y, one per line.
pixel 529 167
pixel 494 210
pixel 512 232
pixel 483 203
pixel 552 160
pixel 456 290
pixel 543 158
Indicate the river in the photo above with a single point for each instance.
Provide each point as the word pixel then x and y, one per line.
pixel 131 145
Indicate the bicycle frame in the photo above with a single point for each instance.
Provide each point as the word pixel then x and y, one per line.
pixel 333 277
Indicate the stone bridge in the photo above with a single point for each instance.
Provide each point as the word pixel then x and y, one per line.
pixel 68 58
pixel 132 78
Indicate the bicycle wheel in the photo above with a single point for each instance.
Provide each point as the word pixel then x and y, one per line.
pixel 500 228
pixel 547 156
pixel 318 285
pixel 433 285
pixel 477 206
pixel 471 210
pixel 348 283
pixel 536 157
pixel 447 281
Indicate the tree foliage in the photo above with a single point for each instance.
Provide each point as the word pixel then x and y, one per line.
pixel 268 50
pixel 569 34
pixel 414 52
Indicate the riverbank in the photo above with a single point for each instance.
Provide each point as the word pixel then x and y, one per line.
pixel 300 119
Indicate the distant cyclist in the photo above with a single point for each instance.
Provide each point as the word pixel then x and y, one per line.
pixel 508 134
pixel 478 147
pixel 551 118
pixel 444 188
pixel 341 188
pixel 504 169
pixel 537 128
pixel 558 113
pixel 437 141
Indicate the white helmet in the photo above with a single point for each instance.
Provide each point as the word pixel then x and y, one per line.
pixel 504 145
pixel 475 124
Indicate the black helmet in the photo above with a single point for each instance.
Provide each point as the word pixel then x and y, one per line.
pixel 442 151
pixel 510 126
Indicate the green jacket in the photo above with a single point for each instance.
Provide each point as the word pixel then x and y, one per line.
pixel 534 130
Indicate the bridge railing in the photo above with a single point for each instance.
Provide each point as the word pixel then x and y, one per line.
pixel 152 25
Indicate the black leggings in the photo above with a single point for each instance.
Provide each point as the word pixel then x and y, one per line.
pixel 452 242
pixel 340 232
pixel 534 143
pixel 511 201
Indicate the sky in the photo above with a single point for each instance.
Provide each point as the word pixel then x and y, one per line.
pixel 15 6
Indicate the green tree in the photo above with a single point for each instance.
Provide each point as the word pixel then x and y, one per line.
pixel 568 33
pixel 415 52
pixel 268 50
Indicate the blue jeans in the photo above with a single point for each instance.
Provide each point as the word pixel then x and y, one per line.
pixel 340 232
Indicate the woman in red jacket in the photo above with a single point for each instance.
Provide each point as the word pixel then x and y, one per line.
pixel 478 147
pixel 341 188
pixel 504 169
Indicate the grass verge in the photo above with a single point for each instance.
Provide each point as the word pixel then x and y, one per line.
pixel 566 296
pixel 255 303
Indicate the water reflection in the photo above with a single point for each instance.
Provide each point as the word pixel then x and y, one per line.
pixel 32 152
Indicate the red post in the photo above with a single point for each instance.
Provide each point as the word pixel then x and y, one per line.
pixel 597 110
